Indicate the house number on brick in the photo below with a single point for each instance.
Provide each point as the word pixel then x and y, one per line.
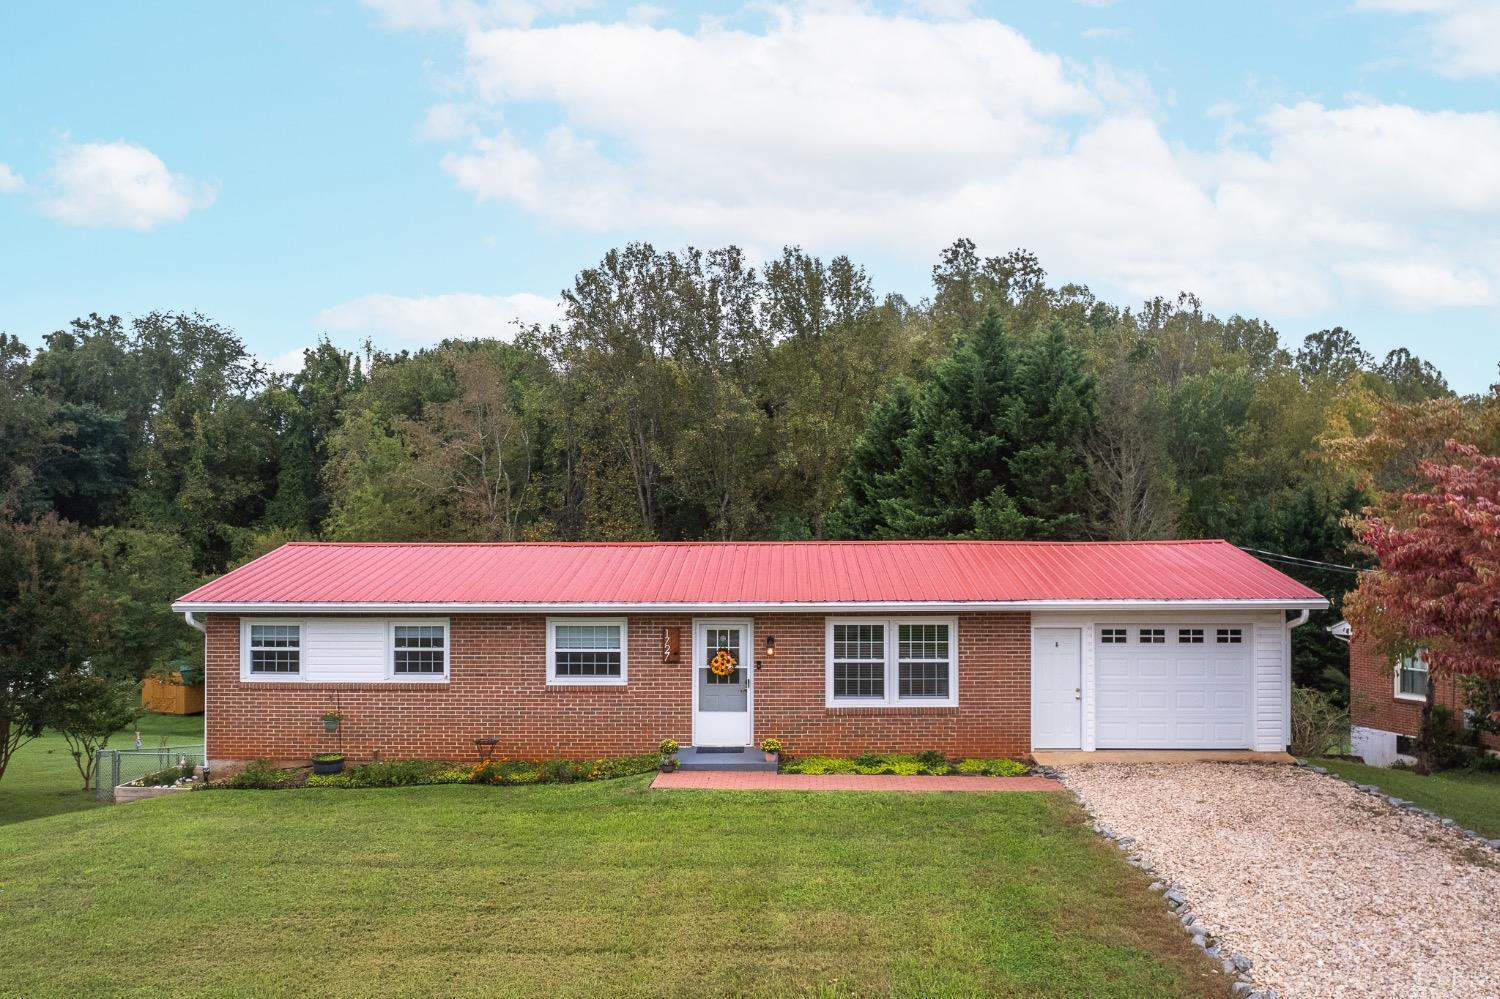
pixel 671 644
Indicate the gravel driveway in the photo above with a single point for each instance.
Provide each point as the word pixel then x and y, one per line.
pixel 1329 891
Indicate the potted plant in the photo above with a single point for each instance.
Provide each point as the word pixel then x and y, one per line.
pixel 772 749
pixel 331 721
pixel 669 760
pixel 326 764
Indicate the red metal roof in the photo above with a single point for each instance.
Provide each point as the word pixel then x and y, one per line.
pixel 751 573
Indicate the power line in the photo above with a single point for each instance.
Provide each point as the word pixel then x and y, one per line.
pixel 1305 563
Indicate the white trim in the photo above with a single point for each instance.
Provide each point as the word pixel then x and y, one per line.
pixel 747 663
pixel 248 677
pixel 553 680
pixel 1396 681
pixel 390 650
pixel 892 664
pixel 739 607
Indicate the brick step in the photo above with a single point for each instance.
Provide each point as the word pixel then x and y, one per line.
pixel 751 760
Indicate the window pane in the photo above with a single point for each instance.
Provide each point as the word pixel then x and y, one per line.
pixel 859 679
pixel 1113 636
pixel 275 648
pixel 588 663
pixel 924 679
pixel 1153 636
pixel 859 641
pixel 275 660
pixel 588 636
pixel 1230 636
pixel 923 641
pixel 1413 677
pixel 1190 636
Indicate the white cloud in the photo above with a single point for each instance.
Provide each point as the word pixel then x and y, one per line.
pixel 10 181
pixel 1463 36
pixel 286 363
pixel 837 126
pixel 427 319
pixel 119 185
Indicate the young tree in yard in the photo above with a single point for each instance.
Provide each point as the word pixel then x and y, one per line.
pixel 88 709
pixel 51 621
pixel 1438 584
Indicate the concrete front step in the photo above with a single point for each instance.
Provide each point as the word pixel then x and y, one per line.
pixel 749 760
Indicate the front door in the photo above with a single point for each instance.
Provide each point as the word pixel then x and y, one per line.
pixel 723 671
pixel 1056 688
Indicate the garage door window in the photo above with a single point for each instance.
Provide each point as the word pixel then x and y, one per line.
pixel 1112 636
pixel 891 661
pixel 1153 636
pixel 1230 636
pixel 1190 636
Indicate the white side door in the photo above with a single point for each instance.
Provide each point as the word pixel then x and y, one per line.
pixel 1056 688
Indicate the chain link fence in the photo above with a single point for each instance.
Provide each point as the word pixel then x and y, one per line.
pixel 120 766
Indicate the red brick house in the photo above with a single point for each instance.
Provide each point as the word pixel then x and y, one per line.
pixel 1386 698
pixel 970 648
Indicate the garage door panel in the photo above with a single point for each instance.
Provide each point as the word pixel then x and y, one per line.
pixel 1173 694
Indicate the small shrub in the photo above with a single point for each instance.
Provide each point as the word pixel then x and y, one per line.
pixel 991 768
pixel 668 746
pixel 933 760
pixel 330 780
pixel 505 771
pixel 869 761
pixel 1448 746
pixel 171 775
pixel 259 775
pixel 1319 727
pixel 770 746
pixel 624 766
pixel 820 765
pixel 397 773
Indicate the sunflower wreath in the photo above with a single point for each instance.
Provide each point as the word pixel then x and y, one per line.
pixel 722 664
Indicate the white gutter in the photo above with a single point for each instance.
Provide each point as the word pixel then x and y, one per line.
pixel 194 623
pixel 1286 694
pixel 382 607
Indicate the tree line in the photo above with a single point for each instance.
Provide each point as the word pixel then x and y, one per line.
pixel 691 395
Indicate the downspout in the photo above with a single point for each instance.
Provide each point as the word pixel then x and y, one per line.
pixel 1295 622
pixel 197 625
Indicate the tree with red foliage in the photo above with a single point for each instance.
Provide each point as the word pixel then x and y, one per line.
pixel 1438 583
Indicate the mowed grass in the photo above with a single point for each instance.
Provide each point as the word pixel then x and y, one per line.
pixel 42 779
pixel 596 890
pixel 1470 799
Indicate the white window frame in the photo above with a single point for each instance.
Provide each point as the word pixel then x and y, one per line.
pixel 892 633
pixel 390 650
pixel 1420 657
pixel 553 680
pixel 246 676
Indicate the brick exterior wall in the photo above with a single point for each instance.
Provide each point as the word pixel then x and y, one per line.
pixel 1372 694
pixel 498 688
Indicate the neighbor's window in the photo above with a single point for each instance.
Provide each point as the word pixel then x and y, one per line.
pixel 276 649
pixel 586 651
pixel 1411 677
pixel 1190 636
pixel 1230 636
pixel 899 662
pixel 1153 636
pixel 420 650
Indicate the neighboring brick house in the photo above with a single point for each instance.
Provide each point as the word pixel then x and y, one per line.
pixel 1386 698
pixel 579 650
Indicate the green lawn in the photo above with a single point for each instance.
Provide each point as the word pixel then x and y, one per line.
pixel 1470 799
pixel 594 890
pixel 42 779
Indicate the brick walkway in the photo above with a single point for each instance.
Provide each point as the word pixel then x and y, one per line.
pixel 718 780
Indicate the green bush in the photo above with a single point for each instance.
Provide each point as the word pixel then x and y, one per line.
pixel 260 775
pixel 992 768
pixel 1319 726
pixel 901 764
pixel 397 773
pixel 505 772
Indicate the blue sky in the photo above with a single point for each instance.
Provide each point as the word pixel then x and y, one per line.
pixel 407 169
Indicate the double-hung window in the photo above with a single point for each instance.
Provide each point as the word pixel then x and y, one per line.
pixel 273 649
pixel 892 661
pixel 1411 678
pixel 419 650
pixel 586 651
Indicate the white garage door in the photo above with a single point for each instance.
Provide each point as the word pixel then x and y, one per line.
pixel 1172 686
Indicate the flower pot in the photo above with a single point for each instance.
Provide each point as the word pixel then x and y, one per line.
pixel 771 757
pixel 330 724
pixel 326 768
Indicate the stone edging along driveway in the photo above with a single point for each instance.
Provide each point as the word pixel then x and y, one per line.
pixel 1321 889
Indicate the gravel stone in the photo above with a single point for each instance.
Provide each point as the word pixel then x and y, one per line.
pixel 1301 872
